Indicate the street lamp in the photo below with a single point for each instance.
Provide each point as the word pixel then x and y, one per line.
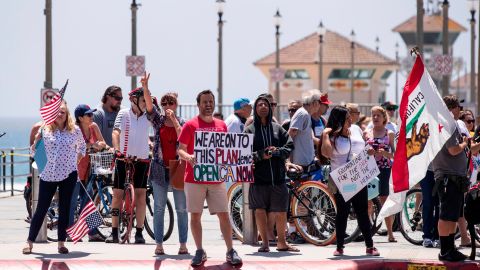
pixel 396 73
pixel 352 79
pixel 321 31
pixel 220 6
pixel 445 49
pixel 472 6
pixel 277 21
pixel 377 44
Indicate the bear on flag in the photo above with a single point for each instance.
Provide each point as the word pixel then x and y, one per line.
pixel 426 124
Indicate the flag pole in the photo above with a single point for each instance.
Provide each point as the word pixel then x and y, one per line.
pixel 90 198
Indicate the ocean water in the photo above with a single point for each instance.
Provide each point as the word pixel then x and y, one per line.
pixel 17 136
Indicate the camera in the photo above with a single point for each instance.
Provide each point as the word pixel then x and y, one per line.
pixel 269 152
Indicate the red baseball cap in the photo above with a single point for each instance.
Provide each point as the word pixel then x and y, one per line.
pixel 324 99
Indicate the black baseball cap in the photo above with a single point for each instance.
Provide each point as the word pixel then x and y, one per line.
pixel 389 106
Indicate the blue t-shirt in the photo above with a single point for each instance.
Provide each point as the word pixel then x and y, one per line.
pixel 317 127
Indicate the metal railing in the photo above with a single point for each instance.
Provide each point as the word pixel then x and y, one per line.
pixel 9 158
pixel 188 111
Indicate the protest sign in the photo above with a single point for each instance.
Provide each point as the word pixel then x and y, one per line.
pixel 223 157
pixel 354 175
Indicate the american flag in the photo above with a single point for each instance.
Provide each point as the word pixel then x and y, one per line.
pixel 89 219
pixel 49 112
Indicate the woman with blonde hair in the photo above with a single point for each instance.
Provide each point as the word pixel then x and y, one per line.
pixel 64 146
pixel 382 141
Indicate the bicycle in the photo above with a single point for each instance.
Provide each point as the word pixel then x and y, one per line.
pixel 311 207
pixel 127 208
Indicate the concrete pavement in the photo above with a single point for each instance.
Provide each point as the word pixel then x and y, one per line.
pixel 85 255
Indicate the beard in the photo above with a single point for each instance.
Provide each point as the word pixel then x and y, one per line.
pixel 115 107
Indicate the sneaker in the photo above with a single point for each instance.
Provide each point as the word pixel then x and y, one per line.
pixel 338 252
pixel 95 238
pixel 233 258
pixel 372 251
pixel 139 238
pixel 452 256
pixel 112 239
pixel 436 243
pixel 295 238
pixel 200 258
pixel 382 232
pixel 428 243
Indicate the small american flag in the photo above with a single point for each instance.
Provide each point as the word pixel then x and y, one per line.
pixel 89 219
pixel 49 112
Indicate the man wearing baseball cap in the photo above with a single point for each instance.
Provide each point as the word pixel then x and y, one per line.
pixel 242 110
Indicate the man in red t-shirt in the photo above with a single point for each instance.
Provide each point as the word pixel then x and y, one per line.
pixel 196 192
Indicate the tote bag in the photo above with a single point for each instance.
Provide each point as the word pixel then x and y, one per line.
pixel 177 172
pixel 40 154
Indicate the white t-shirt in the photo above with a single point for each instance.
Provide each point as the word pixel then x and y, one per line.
pixel 343 147
pixel 462 128
pixel 137 133
pixel 234 124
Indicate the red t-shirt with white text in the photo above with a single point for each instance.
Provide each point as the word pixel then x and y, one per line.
pixel 187 137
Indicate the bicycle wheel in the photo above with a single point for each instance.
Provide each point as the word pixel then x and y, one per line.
pixel 313 211
pixel 411 220
pixel 127 214
pixel 103 202
pixel 235 209
pixel 168 218
pixel 52 221
pixel 352 222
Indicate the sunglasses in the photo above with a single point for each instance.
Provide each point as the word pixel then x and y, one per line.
pixel 273 104
pixel 117 98
pixel 89 114
pixel 171 103
pixel 470 121
pixel 292 110
pixel 354 112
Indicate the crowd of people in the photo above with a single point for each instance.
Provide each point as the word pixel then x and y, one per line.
pixel 307 138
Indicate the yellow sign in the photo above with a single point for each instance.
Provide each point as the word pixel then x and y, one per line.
pixel 415 266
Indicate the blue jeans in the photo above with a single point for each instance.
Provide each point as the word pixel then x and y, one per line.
pixel 430 211
pixel 160 201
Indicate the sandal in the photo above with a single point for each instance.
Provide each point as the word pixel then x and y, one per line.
pixel 27 250
pixel 263 249
pixel 392 240
pixel 159 251
pixel 289 249
pixel 183 251
pixel 63 250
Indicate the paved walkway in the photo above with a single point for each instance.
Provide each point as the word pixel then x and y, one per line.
pixel 14 230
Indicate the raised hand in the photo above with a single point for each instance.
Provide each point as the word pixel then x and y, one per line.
pixel 144 80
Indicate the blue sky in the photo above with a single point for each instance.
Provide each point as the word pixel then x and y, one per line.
pixel 178 38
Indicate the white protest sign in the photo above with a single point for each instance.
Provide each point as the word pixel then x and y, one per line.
pixel 476 168
pixel 223 157
pixel 351 177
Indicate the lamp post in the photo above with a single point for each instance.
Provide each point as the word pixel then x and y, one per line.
pixel 220 6
pixel 446 78
pixel 352 76
pixel 396 73
pixel 473 8
pixel 377 44
pixel 48 44
pixel 420 13
pixel 321 31
pixel 134 7
pixel 277 21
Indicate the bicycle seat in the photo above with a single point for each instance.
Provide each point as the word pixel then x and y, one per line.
pixel 294 174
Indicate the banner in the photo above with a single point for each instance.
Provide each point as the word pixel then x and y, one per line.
pixel 355 175
pixel 223 157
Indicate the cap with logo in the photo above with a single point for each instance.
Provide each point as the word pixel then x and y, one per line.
pixel 83 109
pixel 240 103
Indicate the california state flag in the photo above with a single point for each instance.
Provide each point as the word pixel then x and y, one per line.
pixel 426 124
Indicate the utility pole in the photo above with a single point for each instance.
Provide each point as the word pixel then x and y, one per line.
pixel 220 4
pixel 420 13
pixel 472 52
pixel 48 45
pixel 277 22
pixel 134 8
pixel 352 67
pixel 396 73
pixel 446 78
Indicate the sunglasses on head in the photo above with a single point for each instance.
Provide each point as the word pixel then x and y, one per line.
pixel 117 98
pixel 165 103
